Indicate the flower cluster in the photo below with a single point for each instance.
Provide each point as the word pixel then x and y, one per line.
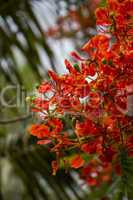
pixel 78 19
pixel 95 98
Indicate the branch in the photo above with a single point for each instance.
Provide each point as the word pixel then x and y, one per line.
pixel 15 120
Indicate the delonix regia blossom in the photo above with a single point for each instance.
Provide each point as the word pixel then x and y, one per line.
pixel 94 96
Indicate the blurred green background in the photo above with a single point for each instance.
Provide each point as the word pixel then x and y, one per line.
pixel 36 35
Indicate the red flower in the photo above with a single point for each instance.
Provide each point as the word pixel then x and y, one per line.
pixel 94 146
pixel 70 67
pixel 55 125
pixel 44 87
pixel 39 104
pixel 96 173
pixel 39 130
pixel 97 46
pixel 102 16
pixel 53 75
pixel 86 128
pixel 77 162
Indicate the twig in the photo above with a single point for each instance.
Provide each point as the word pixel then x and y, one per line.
pixel 3 122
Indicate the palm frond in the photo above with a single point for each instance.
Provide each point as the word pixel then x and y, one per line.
pixel 31 163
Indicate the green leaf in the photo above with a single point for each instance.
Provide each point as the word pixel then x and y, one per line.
pixel 103 3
